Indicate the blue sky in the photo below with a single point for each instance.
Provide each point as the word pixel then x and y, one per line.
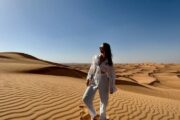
pixel 72 30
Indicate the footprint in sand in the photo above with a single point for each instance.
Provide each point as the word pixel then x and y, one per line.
pixel 84 115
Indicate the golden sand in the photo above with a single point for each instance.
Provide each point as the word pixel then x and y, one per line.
pixel 34 89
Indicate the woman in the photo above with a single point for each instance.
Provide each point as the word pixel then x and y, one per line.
pixel 101 76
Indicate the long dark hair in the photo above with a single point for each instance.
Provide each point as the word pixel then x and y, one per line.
pixel 108 53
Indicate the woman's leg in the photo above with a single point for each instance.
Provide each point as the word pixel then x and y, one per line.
pixel 88 99
pixel 104 96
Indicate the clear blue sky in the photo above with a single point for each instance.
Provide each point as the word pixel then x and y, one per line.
pixel 72 30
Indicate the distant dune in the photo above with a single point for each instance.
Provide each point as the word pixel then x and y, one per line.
pixel 32 64
pixel 31 88
pixel 59 71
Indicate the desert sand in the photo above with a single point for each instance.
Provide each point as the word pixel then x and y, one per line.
pixel 35 89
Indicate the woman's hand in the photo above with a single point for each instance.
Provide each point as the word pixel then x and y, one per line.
pixel 88 82
pixel 111 91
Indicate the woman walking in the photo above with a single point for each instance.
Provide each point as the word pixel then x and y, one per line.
pixel 101 76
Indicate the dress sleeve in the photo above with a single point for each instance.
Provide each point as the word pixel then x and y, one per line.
pixel 112 79
pixel 91 69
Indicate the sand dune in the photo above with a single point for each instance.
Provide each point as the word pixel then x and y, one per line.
pixel 16 57
pixel 34 89
pixel 144 78
pixel 58 71
pixel 24 63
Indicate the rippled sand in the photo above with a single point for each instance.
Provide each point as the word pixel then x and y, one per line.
pixel 34 89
